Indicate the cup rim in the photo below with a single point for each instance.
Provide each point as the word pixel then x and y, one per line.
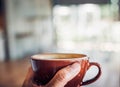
pixel 78 56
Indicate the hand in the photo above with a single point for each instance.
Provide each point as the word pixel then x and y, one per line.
pixel 59 80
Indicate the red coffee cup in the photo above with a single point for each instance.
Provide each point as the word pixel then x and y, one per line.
pixel 45 66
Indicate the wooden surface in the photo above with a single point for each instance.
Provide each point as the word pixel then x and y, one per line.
pixel 13 73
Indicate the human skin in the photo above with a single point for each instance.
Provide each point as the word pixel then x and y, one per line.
pixel 59 80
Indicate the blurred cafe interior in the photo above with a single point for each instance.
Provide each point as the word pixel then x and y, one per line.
pixel 30 27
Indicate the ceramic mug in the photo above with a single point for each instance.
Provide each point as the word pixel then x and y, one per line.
pixel 46 65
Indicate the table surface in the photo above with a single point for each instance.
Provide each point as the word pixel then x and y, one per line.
pixel 13 73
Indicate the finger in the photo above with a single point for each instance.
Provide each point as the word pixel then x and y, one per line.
pixel 64 75
pixel 28 79
pixel 30 74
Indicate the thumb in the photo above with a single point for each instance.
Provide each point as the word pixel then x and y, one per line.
pixel 64 75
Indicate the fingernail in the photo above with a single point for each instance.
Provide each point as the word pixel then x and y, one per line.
pixel 75 66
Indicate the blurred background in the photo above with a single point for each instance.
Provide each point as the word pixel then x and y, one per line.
pixel 29 27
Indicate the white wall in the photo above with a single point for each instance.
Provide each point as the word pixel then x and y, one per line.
pixel 2 55
pixel 31 18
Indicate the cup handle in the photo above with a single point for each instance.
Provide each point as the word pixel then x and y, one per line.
pixel 96 77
